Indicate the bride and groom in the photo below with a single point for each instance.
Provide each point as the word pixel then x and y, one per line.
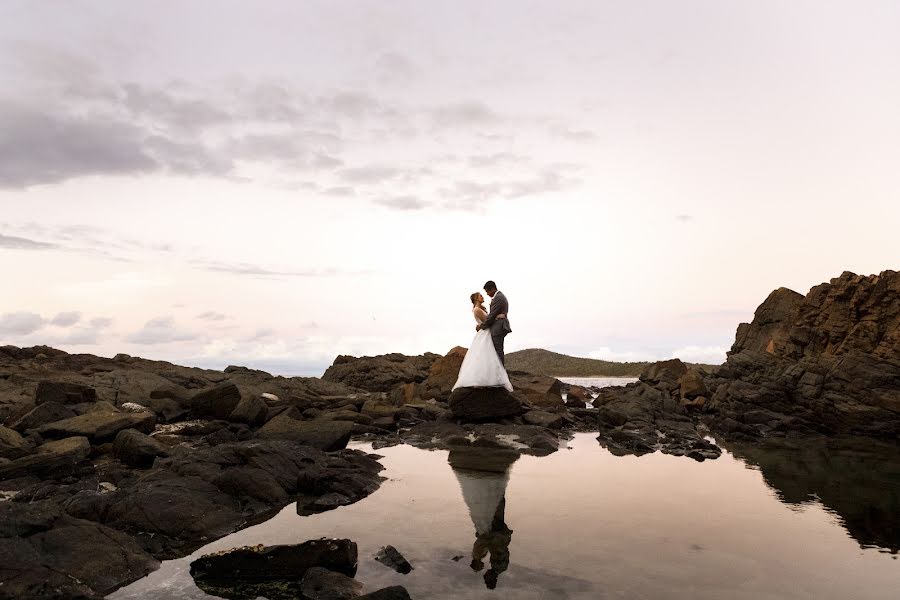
pixel 483 365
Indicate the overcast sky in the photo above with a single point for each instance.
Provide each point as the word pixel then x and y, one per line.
pixel 273 184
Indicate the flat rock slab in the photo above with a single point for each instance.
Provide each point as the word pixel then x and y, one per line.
pixel 50 458
pixel 321 433
pixel 48 412
pixel 544 419
pixel 484 404
pixel 98 426
pixel 391 557
pixel 291 561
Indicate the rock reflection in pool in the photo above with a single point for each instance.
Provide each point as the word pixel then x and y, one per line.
pixel 483 475
pixel 589 525
pixel 857 479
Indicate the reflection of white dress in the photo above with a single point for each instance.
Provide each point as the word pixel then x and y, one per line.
pixel 482 367
pixel 482 493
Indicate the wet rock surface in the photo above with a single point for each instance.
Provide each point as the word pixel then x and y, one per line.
pixel 392 558
pixel 322 569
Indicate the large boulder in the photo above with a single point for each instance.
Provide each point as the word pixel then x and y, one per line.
pixel 379 373
pixel 51 458
pixel 64 393
pixel 41 415
pixel 665 374
pixel 322 584
pixel 321 433
pixel 539 390
pixel 484 404
pixel 251 410
pixel 691 385
pixel 137 449
pixel 64 557
pixel 12 445
pixel 217 402
pixel 443 374
pixel 99 426
pixel 277 562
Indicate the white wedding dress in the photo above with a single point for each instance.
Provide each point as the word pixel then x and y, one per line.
pixel 482 367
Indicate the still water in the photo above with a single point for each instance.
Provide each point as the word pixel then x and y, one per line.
pixel 815 522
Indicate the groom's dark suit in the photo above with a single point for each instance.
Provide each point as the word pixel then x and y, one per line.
pixel 499 327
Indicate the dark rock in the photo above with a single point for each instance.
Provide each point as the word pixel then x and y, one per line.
pixel 827 362
pixel 217 402
pixel 395 592
pixel 691 385
pixel 168 410
pixel 574 403
pixel 378 408
pixel 544 419
pixel 539 391
pixel 251 410
pixel 379 373
pixel 347 415
pixel 321 584
pixel 52 458
pixel 664 374
pixel 41 415
pixel 73 559
pixel 64 393
pixel 98 426
pixel 391 557
pixel 137 449
pixel 484 404
pixel 320 433
pixel 21 519
pixel 12 445
pixel 251 482
pixel 277 562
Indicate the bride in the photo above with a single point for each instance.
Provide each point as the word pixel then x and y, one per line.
pixel 482 367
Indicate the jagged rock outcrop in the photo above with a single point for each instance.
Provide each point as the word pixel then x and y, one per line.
pixel 827 362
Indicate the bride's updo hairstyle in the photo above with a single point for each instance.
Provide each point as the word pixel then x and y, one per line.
pixel 474 298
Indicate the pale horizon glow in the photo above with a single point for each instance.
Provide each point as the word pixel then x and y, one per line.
pixel 216 183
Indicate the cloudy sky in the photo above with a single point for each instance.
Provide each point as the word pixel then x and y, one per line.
pixel 273 184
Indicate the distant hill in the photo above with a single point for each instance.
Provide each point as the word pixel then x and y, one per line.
pixel 545 362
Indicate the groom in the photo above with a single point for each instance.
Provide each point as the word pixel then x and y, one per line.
pixel 498 327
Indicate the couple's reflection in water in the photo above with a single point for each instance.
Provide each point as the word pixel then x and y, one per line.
pixel 483 474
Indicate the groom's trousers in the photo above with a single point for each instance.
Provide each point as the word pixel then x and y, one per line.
pixel 498 345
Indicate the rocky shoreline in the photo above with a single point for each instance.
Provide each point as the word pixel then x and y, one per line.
pixel 108 466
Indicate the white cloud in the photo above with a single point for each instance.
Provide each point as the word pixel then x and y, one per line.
pixel 66 319
pixel 606 353
pixel 713 355
pixel 20 323
pixel 161 330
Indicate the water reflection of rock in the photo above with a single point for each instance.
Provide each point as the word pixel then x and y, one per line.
pixel 856 478
pixel 483 475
